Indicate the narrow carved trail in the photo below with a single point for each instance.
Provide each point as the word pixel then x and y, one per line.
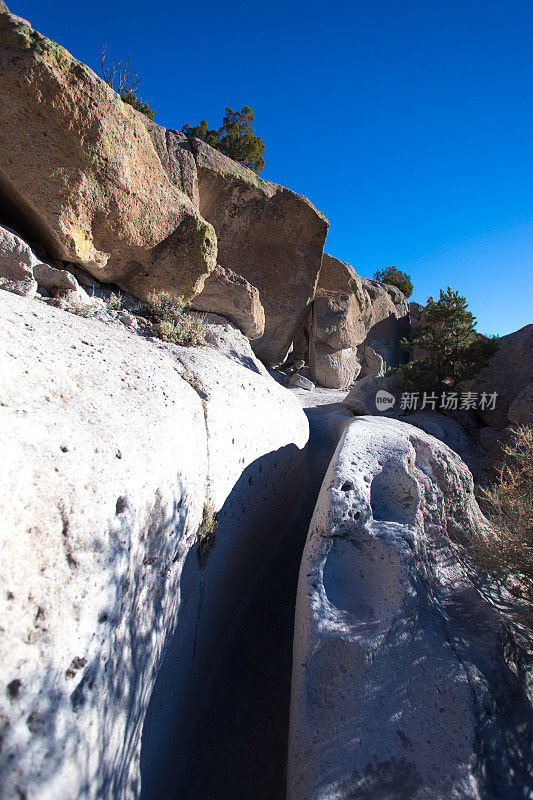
pixel 241 749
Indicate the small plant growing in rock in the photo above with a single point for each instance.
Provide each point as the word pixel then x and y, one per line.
pixel 165 306
pixel 192 380
pixel 81 309
pixel 174 325
pixel 114 302
pixel 507 550
pixel 207 531
pixel 186 331
pixel 123 79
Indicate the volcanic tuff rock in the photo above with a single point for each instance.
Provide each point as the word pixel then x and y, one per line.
pixel 176 156
pixel 382 309
pixel 350 311
pixel 23 272
pixel 79 173
pixel 271 236
pixel 400 687
pixel 231 295
pixel 111 446
pixel 332 368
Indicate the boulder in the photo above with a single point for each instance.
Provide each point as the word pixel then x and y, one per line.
pixel 350 311
pixel 400 686
pixel 337 276
pixel 337 320
pixel 231 296
pixel 521 408
pixel 79 173
pixel 22 272
pixel 374 364
pixel 27 287
pixel 375 394
pixel 383 309
pixel 54 279
pixel 271 236
pixel 17 259
pixel 301 382
pixel 334 369
pixel 112 446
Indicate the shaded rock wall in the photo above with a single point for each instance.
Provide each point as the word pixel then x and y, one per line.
pixel 109 455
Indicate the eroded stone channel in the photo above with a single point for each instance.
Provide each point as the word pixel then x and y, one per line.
pixel 239 748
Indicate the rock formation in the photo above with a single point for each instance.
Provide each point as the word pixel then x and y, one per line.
pixel 231 295
pixel 510 374
pixel 79 173
pixel 144 485
pixel 271 236
pixel 112 445
pixel 356 326
pixel 400 686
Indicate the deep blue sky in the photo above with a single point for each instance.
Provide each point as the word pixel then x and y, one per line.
pixel 409 123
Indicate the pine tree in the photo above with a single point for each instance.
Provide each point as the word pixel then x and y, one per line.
pixel 453 351
pixel 235 138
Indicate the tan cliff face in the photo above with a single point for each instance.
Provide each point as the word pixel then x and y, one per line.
pixel 79 170
pixel 356 324
pixel 271 236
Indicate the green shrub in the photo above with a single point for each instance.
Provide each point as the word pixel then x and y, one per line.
pixel 187 330
pixel 235 138
pixel 114 302
pixel 507 550
pixel 81 309
pixel 207 531
pixel 138 104
pixel 397 278
pixel 165 306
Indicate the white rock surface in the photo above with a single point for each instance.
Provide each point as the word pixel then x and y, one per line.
pixel 400 689
pixel 106 464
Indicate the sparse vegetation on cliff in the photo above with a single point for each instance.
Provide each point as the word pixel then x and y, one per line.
pixel 123 79
pixel 395 277
pixel 114 302
pixel 235 138
pixel 164 306
pixel 81 309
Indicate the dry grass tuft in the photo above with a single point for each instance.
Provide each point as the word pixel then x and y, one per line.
pixel 507 551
